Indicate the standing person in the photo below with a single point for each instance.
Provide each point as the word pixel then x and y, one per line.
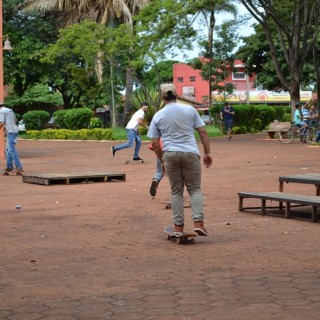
pixel 133 132
pixel 175 124
pixel 227 115
pixel 313 115
pixel 8 121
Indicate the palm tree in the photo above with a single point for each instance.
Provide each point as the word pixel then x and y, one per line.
pixel 100 11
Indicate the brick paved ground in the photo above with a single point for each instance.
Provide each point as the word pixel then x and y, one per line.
pixel 97 251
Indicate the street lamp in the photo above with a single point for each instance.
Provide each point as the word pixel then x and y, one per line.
pixel 6 46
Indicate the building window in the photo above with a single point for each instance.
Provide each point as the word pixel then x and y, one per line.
pixel 180 79
pixel 239 76
pixel 192 79
pixel 205 98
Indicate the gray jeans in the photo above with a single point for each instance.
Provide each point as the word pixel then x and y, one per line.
pixel 184 169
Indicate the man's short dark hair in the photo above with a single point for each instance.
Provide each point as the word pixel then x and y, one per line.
pixel 144 104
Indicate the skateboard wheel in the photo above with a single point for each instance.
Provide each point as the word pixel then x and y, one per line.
pixel 192 241
pixel 179 241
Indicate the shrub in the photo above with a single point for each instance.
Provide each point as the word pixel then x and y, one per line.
pixel 36 119
pixel 59 118
pixel 257 125
pixel 95 123
pixel 239 129
pixel 65 134
pixel 78 118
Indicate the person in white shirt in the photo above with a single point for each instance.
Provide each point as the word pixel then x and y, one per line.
pixel 8 121
pixel 133 132
pixel 175 124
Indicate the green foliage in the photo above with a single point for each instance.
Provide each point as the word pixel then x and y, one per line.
pixel 65 134
pixel 35 98
pixel 78 118
pixel 257 125
pixel 29 32
pixel 149 95
pixel 253 117
pixel 159 73
pixel 239 129
pixel 36 119
pixel 59 118
pixel 95 123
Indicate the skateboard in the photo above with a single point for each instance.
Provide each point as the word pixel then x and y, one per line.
pixel 134 161
pixel 183 237
pixel 11 173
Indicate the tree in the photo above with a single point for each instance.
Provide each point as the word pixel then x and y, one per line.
pixel 71 61
pixel 158 73
pixel 297 26
pixel 101 12
pixel 28 33
pixel 163 23
pixel 216 68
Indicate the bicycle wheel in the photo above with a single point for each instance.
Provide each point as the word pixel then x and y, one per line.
pixel 286 135
pixel 310 134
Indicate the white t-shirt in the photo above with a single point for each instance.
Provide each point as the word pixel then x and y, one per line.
pixel 8 118
pixel 133 123
pixel 176 123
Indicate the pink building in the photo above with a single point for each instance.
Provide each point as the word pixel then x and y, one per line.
pixel 190 85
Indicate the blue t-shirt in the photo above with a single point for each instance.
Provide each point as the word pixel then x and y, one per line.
pixel 176 123
pixel 226 115
pixel 297 117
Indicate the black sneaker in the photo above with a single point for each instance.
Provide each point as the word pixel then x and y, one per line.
pixel 137 159
pixel 113 150
pixel 153 188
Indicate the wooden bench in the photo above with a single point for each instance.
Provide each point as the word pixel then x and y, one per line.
pixel 288 198
pixel 308 178
pixel 275 127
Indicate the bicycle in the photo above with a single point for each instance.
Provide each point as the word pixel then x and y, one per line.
pixel 287 135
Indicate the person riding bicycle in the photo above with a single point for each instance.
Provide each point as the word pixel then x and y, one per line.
pixel 298 118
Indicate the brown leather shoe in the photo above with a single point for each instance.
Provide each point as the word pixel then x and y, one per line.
pixel 200 229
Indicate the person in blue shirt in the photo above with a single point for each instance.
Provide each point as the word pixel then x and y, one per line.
pixel 8 121
pixel 227 115
pixel 298 118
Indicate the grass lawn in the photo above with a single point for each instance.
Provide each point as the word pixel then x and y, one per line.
pixel 120 133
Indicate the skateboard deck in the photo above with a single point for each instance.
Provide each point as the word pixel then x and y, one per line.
pixel 11 173
pixel 135 161
pixel 183 237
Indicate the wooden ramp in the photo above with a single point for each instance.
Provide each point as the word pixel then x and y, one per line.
pixel 73 177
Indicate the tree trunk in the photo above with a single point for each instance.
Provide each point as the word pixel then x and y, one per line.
pixel 294 91
pixel 210 44
pixel 317 69
pixel 129 91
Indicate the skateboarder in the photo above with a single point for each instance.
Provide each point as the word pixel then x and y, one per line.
pixel 8 121
pixel 133 133
pixel 158 175
pixel 175 124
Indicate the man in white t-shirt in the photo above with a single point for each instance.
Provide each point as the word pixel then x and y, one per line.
pixel 133 132
pixel 175 125
pixel 8 121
